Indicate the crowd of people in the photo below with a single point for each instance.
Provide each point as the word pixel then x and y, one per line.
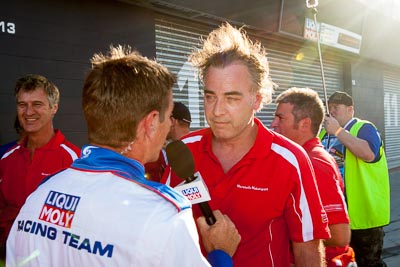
pixel 311 191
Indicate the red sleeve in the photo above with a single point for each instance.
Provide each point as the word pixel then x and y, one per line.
pixel 73 147
pixel 7 215
pixel 330 187
pixel 306 218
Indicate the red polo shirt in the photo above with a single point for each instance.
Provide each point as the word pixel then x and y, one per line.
pixel 20 176
pixel 270 195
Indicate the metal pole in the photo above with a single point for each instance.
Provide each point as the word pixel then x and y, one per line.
pixel 320 60
pixel 313 5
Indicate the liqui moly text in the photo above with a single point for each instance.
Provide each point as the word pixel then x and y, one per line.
pixel 59 209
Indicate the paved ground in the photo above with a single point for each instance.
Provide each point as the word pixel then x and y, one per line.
pixel 391 246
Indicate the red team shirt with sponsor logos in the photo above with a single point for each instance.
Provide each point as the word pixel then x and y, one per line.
pixel 270 195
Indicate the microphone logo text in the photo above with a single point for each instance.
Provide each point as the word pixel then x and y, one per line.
pixel 192 193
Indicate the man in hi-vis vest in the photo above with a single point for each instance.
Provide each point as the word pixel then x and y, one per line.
pixel 358 148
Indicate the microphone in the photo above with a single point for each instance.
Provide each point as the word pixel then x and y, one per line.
pixel 181 161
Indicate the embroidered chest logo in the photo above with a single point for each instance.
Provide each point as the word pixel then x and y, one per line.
pixel 59 209
pixel 252 187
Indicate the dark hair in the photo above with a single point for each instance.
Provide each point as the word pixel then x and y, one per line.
pixel 306 104
pixel 339 97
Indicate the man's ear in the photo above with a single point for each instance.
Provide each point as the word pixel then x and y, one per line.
pixel 350 109
pixel 173 121
pixel 55 109
pixel 305 124
pixel 151 123
pixel 257 102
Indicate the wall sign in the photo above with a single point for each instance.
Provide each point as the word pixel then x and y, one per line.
pixel 332 36
pixel 7 27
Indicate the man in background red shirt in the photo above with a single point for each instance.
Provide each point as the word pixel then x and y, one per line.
pixel 43 151
pixel 298 116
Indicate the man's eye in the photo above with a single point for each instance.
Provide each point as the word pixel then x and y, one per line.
pixel 209 97
pixel 232 99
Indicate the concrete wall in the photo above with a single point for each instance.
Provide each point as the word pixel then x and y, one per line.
pixel 56 39
pixel 366 81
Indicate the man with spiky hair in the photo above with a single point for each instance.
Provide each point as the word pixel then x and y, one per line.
pixel 260 179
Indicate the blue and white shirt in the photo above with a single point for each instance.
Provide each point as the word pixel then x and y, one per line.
pixel 103 212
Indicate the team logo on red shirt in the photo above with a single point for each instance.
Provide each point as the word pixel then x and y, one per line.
pixel 59 209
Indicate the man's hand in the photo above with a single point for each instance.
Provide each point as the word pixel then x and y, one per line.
pixel 222 235
pixel 331 125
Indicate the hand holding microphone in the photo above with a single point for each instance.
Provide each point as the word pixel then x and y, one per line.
pixel 223 235
pixel 217 232
pixel 181 161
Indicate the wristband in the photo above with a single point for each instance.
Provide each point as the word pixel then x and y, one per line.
pixel 338 131
pixel 219 258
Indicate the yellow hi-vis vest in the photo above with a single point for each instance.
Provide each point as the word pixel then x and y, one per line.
pixel 367 187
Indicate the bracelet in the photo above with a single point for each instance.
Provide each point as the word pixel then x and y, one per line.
pixel 338 131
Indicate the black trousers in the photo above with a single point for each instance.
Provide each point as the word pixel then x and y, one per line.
pixel 368 245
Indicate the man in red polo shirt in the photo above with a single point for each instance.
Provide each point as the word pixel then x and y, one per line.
pixel 298 116
pixel 263 181
pixel 43 151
